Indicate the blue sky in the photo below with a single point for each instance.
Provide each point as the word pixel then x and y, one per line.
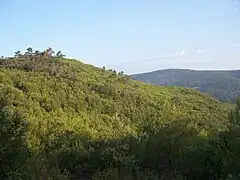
pixel 129 35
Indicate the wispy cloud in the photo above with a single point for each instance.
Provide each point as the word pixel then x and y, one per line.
pixel 181 53
pixel 178 58
pixel 159 57
pixel 202 50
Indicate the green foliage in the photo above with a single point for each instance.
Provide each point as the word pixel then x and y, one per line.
pixel 235 116
pixel 13 145
pixel 69 120
pixel 222 85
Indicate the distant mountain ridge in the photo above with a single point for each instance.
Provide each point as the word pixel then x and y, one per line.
pixel 223 85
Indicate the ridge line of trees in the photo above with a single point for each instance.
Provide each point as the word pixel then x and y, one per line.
pixel 30 52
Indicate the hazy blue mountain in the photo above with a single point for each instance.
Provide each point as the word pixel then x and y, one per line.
pixel 221 84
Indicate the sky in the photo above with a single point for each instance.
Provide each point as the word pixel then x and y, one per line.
pixel 130 35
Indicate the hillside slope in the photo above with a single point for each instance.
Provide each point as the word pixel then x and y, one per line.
pixel 223 85
pixel 70 113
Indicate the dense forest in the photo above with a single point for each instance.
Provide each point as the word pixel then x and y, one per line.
pixel 223 85
pixel 63 119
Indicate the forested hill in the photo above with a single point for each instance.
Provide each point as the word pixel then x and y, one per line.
pixel 64 119
pixel 223 85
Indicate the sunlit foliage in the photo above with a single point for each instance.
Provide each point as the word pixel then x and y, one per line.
pixel 69 120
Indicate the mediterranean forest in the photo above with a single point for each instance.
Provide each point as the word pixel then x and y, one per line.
pixel 63 119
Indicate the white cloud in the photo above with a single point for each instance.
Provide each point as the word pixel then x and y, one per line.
pixel 182 52
pixel 159 57
pixel 202 50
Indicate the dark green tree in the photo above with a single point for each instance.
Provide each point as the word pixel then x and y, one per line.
pixel 13 147
pixel 235 116
pixel 18 53
pixel 59 54
pixel 29 51
pixel 37 53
